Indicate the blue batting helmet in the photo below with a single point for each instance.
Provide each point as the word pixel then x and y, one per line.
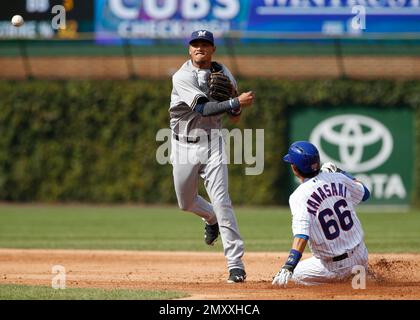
pixel 304 155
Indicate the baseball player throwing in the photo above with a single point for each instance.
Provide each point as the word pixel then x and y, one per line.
pixel 203 91
pixel 323 215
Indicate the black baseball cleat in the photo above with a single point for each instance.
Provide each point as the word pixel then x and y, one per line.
pixel 236 275
pixel 211 233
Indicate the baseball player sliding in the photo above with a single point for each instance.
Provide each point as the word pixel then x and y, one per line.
pixel 203 91
pixel 323 216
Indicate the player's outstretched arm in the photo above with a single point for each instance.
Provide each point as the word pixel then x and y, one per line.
pixel 331 167
pixel 246 99
pixel 286 272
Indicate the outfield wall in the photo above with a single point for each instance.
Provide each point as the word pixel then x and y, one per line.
pixel 284 67
pixel 95 141
pixel 284 59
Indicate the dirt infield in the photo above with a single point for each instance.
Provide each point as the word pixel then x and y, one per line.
pixel 202 275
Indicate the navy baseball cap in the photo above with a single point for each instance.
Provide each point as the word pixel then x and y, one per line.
pixel 202 35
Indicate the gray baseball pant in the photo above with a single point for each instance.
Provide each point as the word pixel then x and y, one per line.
pixel 208 160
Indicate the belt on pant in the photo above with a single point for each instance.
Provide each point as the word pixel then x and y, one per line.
pixel 340 257
pixel 344 255
pixel 189 139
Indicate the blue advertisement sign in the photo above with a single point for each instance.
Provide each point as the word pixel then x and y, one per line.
pixel 334 16
pixel 166 19
pixel 176 19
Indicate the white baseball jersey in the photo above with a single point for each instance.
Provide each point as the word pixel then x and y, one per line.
pixel 323 209
pixel 189 84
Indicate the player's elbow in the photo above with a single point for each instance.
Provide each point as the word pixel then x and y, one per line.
pixel 184 207
pixel 366 195
pixel 199 108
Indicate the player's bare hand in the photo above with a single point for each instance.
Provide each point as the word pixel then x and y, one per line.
pixel 282 277
pixel 246 99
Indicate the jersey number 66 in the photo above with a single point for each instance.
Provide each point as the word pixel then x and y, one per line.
pixel 330 227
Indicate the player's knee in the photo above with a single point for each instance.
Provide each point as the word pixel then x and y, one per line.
pixel 185 205
pixel 222 203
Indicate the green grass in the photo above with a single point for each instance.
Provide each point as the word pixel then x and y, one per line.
pixel 158 228
pixel 24 292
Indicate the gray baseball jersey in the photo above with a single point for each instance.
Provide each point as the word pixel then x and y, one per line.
pixel 189 84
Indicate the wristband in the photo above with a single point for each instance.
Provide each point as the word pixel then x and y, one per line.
pixel 235 113
pixel 234 104
pixel 292 260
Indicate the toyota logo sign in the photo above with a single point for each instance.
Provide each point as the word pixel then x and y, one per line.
pixel 353 134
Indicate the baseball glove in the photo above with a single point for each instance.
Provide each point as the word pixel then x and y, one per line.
pixel 220 86
pixel 329 167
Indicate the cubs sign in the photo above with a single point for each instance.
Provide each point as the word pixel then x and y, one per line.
pixel 369 144
pixel 162 19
